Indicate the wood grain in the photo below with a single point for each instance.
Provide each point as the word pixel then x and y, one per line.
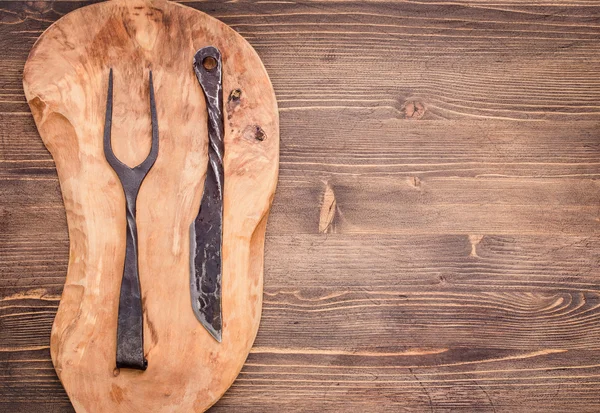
pixel 458 271
pixel 65 81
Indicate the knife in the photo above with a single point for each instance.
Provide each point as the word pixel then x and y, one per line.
pixel 206 232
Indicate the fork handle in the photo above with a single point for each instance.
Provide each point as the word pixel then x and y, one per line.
pixel 130 329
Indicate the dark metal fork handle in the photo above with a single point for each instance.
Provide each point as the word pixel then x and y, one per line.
pixel 130 329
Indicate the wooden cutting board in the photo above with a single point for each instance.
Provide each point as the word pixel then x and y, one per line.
pixel 65 81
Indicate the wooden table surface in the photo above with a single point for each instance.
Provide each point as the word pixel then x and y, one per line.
pixel 434 241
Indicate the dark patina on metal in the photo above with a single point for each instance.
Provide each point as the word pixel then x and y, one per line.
pixel 207 229
pixel 130 331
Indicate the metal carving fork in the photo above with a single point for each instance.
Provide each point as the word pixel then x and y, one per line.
pixel 130 331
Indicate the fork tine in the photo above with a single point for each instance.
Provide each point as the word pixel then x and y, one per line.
pixel 108 152
pixel 154 117
pixel 149 161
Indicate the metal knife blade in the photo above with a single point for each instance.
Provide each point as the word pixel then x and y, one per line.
pixel 207 229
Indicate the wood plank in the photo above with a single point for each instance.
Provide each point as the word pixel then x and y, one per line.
pixel 447 62
pixel 474 263
pixel 376 147
pixel 398 317
pixel 421 206
pixel 494 292
pixel 432 379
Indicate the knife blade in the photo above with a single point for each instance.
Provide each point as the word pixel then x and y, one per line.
pixel 206 232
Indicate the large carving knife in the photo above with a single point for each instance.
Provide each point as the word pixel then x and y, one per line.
pixel 207 229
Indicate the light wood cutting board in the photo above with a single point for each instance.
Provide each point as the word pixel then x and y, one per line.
pixel 65 81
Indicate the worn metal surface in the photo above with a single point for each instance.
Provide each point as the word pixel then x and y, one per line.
pixel 130 332
pixel 206 230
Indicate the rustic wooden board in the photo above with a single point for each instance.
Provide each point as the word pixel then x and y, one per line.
pixel 458 266
pixel 65 81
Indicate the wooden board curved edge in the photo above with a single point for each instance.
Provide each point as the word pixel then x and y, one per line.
pixel 65 80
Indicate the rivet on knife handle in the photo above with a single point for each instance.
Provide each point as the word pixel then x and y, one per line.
pixel 207 229
pixel 130 331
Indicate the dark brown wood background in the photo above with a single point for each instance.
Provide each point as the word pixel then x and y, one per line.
pixel 435 238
